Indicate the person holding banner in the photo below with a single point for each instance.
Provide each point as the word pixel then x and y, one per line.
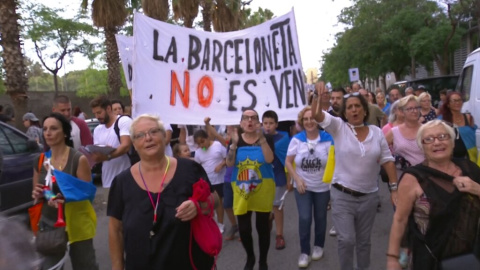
pixel 309 150
pixel 251 153
pixel 65 159
pixel 360 150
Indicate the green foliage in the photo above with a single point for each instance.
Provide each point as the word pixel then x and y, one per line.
pixel 384 36
pixel 55 37
pixel 257 17
pixel 93 82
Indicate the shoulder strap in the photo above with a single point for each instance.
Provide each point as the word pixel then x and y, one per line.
pixel 75 160
pixel 40 161
pixel 116 128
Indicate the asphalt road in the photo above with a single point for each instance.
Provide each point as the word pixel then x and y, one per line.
pixel 233 256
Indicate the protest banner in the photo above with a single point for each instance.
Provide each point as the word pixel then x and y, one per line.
pixel 125 50
pixel 184 75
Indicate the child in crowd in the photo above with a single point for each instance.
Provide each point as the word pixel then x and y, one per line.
pixel 227 187
pixel 281 139
pixel 181 150
pixel 211 155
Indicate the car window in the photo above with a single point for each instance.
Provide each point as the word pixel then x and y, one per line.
pixel 5 144
pixel 10 139
pixel 465 83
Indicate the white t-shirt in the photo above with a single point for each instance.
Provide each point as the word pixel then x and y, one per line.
pixel 77 142
pixel 310 159
pixel 168 147
pixel 357 164
pixel 210 159
pixel 107 136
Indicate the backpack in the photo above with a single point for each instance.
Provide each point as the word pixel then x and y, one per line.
pixel 132 153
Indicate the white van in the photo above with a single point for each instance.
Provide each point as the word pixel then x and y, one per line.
pixel 469 85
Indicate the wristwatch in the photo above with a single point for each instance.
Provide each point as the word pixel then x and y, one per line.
pixel 393 186
pixel 109 157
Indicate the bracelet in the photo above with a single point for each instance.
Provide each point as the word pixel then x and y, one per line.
pixel 393 256
pixel 263 141
pixel 233 148
pixel 393 186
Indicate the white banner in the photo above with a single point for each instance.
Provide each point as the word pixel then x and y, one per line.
pixel 125 50
pixel 184 75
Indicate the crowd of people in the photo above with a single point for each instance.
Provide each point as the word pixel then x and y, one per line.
pixel 331 157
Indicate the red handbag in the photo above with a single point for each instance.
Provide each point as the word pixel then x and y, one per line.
pixel 203 228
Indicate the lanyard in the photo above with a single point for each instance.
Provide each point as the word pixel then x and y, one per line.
pixel 154 205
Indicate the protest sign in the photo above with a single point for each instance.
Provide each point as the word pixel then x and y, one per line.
pixel 184 75
pixel 125 50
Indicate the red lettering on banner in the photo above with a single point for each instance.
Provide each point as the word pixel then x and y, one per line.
pixel 175 87
pixel 205 82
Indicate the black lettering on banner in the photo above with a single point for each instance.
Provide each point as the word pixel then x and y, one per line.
pixel 228 43
pixel 276 51
pixel 206 55
pixel 291 47
pixel 155 46
pixel 266 53
pixel 280 26
pixel 172 51
pixel 247 49
pixel 231 96
pixel 257 52
pixel 216 55
pixel 285 78
pixel 254 98
pixel 194 48
pixel 299 87
pixel 278 90
pixel 130 72
pixel 238 57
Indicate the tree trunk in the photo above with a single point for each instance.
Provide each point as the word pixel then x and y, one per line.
pixel 207 15
pixel 113 63
pixel 413 71
pixel 16 81
pixel 55 83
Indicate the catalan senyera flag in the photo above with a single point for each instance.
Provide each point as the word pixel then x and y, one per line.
pixel 252 181
pixel 80 216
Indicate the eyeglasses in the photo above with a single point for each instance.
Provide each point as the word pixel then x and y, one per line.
pixel 411 109
pixel 153 133
pixel 456 100
pixel 354 94
pixel 431 139
pixel 250 117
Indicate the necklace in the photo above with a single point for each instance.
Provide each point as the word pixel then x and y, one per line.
pixel 62 161
pixel 154 205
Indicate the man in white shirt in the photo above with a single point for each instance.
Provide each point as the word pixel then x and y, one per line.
pixel 80 132
pixel 104 134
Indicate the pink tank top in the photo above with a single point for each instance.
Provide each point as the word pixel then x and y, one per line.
pixel 406 148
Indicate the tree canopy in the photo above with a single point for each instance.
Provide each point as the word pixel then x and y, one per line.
pixel 393 36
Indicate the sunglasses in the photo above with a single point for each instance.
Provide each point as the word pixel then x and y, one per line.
pixel 355 94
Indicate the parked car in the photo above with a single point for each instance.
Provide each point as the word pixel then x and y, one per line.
pixel 18 153
pixel 433 85
pixel 92 123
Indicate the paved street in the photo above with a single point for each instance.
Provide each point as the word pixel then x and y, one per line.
pixel 233 256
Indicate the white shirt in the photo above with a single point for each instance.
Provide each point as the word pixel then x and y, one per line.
pixel 168 147
pixel 357 164
pixel 107 136
pixel 77 142
pixel 310 165
pixel 210 159
pixel 189 131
